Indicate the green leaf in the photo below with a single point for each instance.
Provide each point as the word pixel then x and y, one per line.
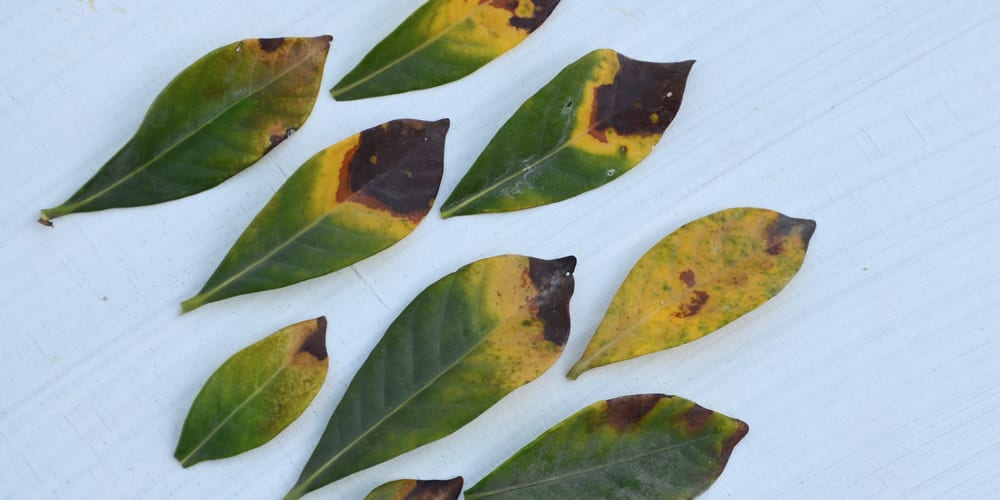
pixel 255 394
pixel 593 122
pixel 697 280
pixel 412 489
pixel 349 201
pixel 462 344
pixel 216 118
pixel 442 41
pixel 641 446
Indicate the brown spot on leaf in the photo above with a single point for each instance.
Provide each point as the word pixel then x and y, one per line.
pixel 693 306
pixel 542 10
pixel 642 100
pixel 553 280
pixel 45 221
pixel 626 411
pixel 271 44
pixel 276 139
pixel 785 226
pixel 315 343
pixel 436 489
pixel 727 447
pixel 687 276
pixel 697 417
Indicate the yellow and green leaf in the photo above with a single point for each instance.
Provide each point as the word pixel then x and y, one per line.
pixel 459 347
pixel 348 202
pixel 442 41
pixel 641 446
pixel 698 279
pixel 413 489
pixel 216 118
pixel 593 122
pixel 255 394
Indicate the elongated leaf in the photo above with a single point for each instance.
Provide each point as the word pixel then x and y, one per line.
pixel 411 489
pixel 216 118
pixel 461 345
pixel 255 394
pixel 593 122
pixel 442 41
pixel 641 446
pixel 349 201
pixel 698 279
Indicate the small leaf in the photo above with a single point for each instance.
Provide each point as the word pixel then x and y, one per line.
pixel 593 122
pixel 459 347
pixel 641 446
pixel 442 41
pixel 698 279
pixel 255 394
pixel 411 489
pixel 349 201
pixel 216 118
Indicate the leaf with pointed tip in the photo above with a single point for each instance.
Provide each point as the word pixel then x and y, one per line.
pixel 348 202
pixel 641 446
pixel 442 41
pixel 462 344
pixel 697 280
pixel 413 489
pixel 216 118
pixel 255 394
pixel 593 122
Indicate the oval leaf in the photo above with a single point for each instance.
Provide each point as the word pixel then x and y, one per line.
pixel 641 446
pixel 216 118
pixel 458 348
pixel 698 279
pixel 255 394
pixel 412 489
pixel 349 201
pixel 593 122
pixel 442 41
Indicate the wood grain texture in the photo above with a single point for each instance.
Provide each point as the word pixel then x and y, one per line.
pixel 876 118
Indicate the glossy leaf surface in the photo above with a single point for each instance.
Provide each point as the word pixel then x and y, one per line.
pixel 412 489
pixel 216 118
pixel 698 279
pixel 255 394
pixel 641 446
pixel 442 41
pixel 593 122
pixel 349 201
pixel 460 346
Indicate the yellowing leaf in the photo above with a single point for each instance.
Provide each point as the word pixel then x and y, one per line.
pixel 412 489
pixel 698 279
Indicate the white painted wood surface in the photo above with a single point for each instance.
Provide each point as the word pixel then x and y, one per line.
pixel 874 374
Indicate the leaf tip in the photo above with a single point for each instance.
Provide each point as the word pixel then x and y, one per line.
pixel 742 428
pixel 45 221
pixel 315 342
pixel 192 304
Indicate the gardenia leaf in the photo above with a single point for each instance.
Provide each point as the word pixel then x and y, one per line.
pixel 462 344
pixel 442 41
pixel 216 118
pixel 698 279
pixel 349 201
pixel 593 122
pixel 255 394
pixel 641 446
pixel 411 489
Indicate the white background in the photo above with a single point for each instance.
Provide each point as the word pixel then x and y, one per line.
pixel 872 375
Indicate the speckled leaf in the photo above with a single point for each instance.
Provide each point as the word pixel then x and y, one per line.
pixel 255 394
pixel 460 346
pixel 349 201
pixel 593 122
pixel 216 118
pixel 698 279
pixel 641 446
pixel 412 489
pixel 442 41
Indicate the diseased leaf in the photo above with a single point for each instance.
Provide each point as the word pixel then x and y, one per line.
pixel 412 489
pixel 593 122
pixel 459 347
pixel 349 201
pixel 641 446
pixel 698 279
pixel 216 118
pixel 442 41
pixel 255 394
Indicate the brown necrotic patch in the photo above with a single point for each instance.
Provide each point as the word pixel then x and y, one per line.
pixel 315 343
pixel 270 44
pixel 727 448
pixel 436 489
pixel 785 226
pixel 687 277
pixel 553 281
pixel 693 306
pixel 276 139
pixel 626 411
pixel 642 100
pixel 541 11
pixel 696 418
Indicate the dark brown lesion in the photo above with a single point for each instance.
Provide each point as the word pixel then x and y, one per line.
pixel 436 489
pixel 785 226
pixel 642 100
pixel 276 139
pixel 687 277
pixel 727 448
pixel 543 8
pixel 627 411
pixel 270 44
pixel 315 343
pixel 553 281
pixel 693 306
pixel 696 417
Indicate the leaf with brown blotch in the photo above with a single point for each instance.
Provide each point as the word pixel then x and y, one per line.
pixel 415 489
